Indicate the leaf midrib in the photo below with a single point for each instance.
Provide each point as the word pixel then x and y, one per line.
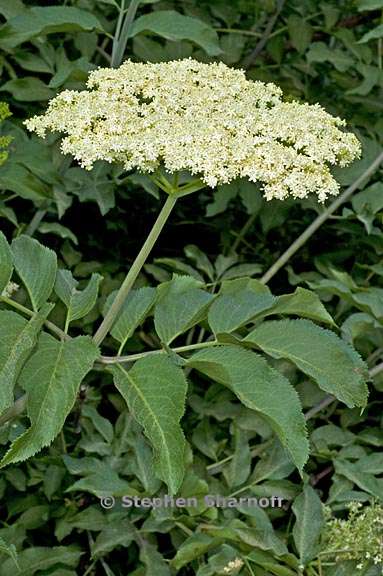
pixel 155 419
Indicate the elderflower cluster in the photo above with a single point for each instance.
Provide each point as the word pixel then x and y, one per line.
pixel 207 119
pixel 359 537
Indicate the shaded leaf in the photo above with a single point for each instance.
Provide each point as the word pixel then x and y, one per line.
pixel 175 26
pixel 39 558
pixel 28 89
pixel 307 509
pixel 46 20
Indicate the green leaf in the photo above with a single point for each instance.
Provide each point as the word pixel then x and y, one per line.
pixel 9 550
pixel 100 479
pixel 221 198
pixel 355 472
pixel 237 303
pixel 51 378
pixel 39 558
pixel 239 467
pixel 78 302
pixel 136 308
pixel 6 266
pixel 319 353
pixel 58 230
pixel 307 508
pixel 28 89
pixel 180 305
pixel 46 20
pixel 373 34
pixel 193 547
pixel 371 199
pixel 93 186
pixel 155 563
pixel 11 9
pixel 119 533
pixel 257 385
pixel 320 52
pixel 175 26
pixel 155 390
pixel 36 265
pixel 17 340
pixel 300 32
pixel 200 259
pixel 301 303
pixel 102 425
pixel 16 178
pixel 370 5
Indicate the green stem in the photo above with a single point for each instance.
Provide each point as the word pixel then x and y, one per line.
pixel 35 222
pixel 134 357
pixel 248 224
pixel 134 271
pixel 52 327
pixel 122 33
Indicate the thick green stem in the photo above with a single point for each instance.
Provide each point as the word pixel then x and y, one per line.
pixel 135 270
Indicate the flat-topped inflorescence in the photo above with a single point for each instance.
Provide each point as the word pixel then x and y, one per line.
pixel 207 119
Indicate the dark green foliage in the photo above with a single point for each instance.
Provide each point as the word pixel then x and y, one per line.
pixel 211 257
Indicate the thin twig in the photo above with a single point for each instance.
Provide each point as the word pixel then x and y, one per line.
pixel 376 370
pixel 317 223
pixel 135 357
pixel 265 36
pixel 327 400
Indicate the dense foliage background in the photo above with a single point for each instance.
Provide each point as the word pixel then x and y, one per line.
pixel 327 52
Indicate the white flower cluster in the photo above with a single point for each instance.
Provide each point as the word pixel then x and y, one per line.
pixel 207 119
pixel 359 537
